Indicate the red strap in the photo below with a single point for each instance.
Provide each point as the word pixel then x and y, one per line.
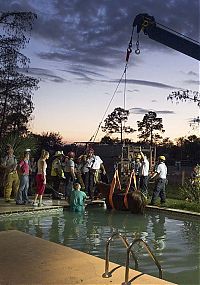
pixel 118 180
pixel 115 181
pixel 132 177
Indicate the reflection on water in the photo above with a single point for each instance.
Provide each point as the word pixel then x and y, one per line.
pixel 174 241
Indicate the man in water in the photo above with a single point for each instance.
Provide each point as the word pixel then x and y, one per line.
pixel 77 199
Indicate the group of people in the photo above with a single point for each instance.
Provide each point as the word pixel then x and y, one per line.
pixel 85 170
pixel 16 176
pixel 78 175
pixel 141 168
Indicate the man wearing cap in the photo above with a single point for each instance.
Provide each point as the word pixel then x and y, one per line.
pixel 69 171
pixel 9 164
pixel 161 175
pixel 57 172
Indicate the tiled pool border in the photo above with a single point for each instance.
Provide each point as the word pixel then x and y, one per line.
pixel 58 209
pixel 174 212
pixel 31 212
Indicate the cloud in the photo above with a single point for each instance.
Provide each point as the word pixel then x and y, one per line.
pixel 192 73
pixel 196 82
pixel 134 90
pixel 148 83
pixel 43 74
pixel 80 70
pixel 96 33
pixel 167 112
pixel 86 56
pixel 145 111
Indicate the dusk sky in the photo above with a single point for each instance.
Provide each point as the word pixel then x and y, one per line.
pixel 78 50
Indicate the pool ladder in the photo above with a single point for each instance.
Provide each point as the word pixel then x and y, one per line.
pixel 108 274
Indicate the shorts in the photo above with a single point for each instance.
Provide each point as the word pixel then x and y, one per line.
pixel 40 184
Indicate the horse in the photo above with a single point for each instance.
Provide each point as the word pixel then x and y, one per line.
pixel 136 202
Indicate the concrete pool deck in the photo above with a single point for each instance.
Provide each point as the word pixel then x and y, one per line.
pixel 25 259
pixel 9 209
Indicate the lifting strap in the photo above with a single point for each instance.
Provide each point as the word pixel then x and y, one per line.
pixel 132 178
pixel 115 182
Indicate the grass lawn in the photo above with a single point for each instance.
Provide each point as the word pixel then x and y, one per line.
pixel 181 205
pixel 175 200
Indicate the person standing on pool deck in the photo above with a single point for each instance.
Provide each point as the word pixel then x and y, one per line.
pixel 144 174
pixel 161 174
pixel 11 178
pixel 41 177
pixel 94 165
pixel 22 195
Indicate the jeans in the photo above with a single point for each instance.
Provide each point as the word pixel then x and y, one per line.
pixel 89 183
pixel 22 196
pixel 144 185
pixel 68 184
pixel 159 190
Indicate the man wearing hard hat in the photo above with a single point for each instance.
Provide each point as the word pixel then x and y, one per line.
pixel 161 179
pixel 11 178
pixel 57 172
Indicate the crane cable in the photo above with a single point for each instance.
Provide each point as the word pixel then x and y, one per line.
pixel 129 50
pixel 96 132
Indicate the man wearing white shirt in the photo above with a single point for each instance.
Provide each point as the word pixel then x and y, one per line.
pixel 161 174
pixel 144 175
pixel 94 164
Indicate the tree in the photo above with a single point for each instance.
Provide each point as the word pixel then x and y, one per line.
pixel 166 142
pixel 19 143
pixel 107 140
pixel 195 123
pixel 148 125
pixel 16 88
pixel 184 96
pixel 49 141
pixel 115 123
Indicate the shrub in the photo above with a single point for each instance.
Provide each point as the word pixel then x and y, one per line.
pixel 191 190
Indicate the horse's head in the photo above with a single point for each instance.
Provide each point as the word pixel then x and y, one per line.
pixel 103 189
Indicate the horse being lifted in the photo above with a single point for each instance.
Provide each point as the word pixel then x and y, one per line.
pixel 123 201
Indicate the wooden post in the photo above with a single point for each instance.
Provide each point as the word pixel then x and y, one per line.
pixel 182 177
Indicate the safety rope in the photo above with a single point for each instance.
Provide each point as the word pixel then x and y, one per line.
pixel 115 182
pixel 131 178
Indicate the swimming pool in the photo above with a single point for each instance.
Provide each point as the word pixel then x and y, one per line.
pixel 174 241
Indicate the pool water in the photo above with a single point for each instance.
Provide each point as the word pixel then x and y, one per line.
pixel 174 241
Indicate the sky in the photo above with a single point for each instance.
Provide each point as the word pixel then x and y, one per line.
pixel 78 49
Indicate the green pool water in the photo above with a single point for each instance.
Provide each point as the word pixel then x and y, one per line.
pixel 174 241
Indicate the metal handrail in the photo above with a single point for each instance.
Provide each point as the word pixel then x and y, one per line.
pixel 107 274
pixel 150 254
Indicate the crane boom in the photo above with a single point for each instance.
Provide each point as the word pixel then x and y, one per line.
pixel 166 36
